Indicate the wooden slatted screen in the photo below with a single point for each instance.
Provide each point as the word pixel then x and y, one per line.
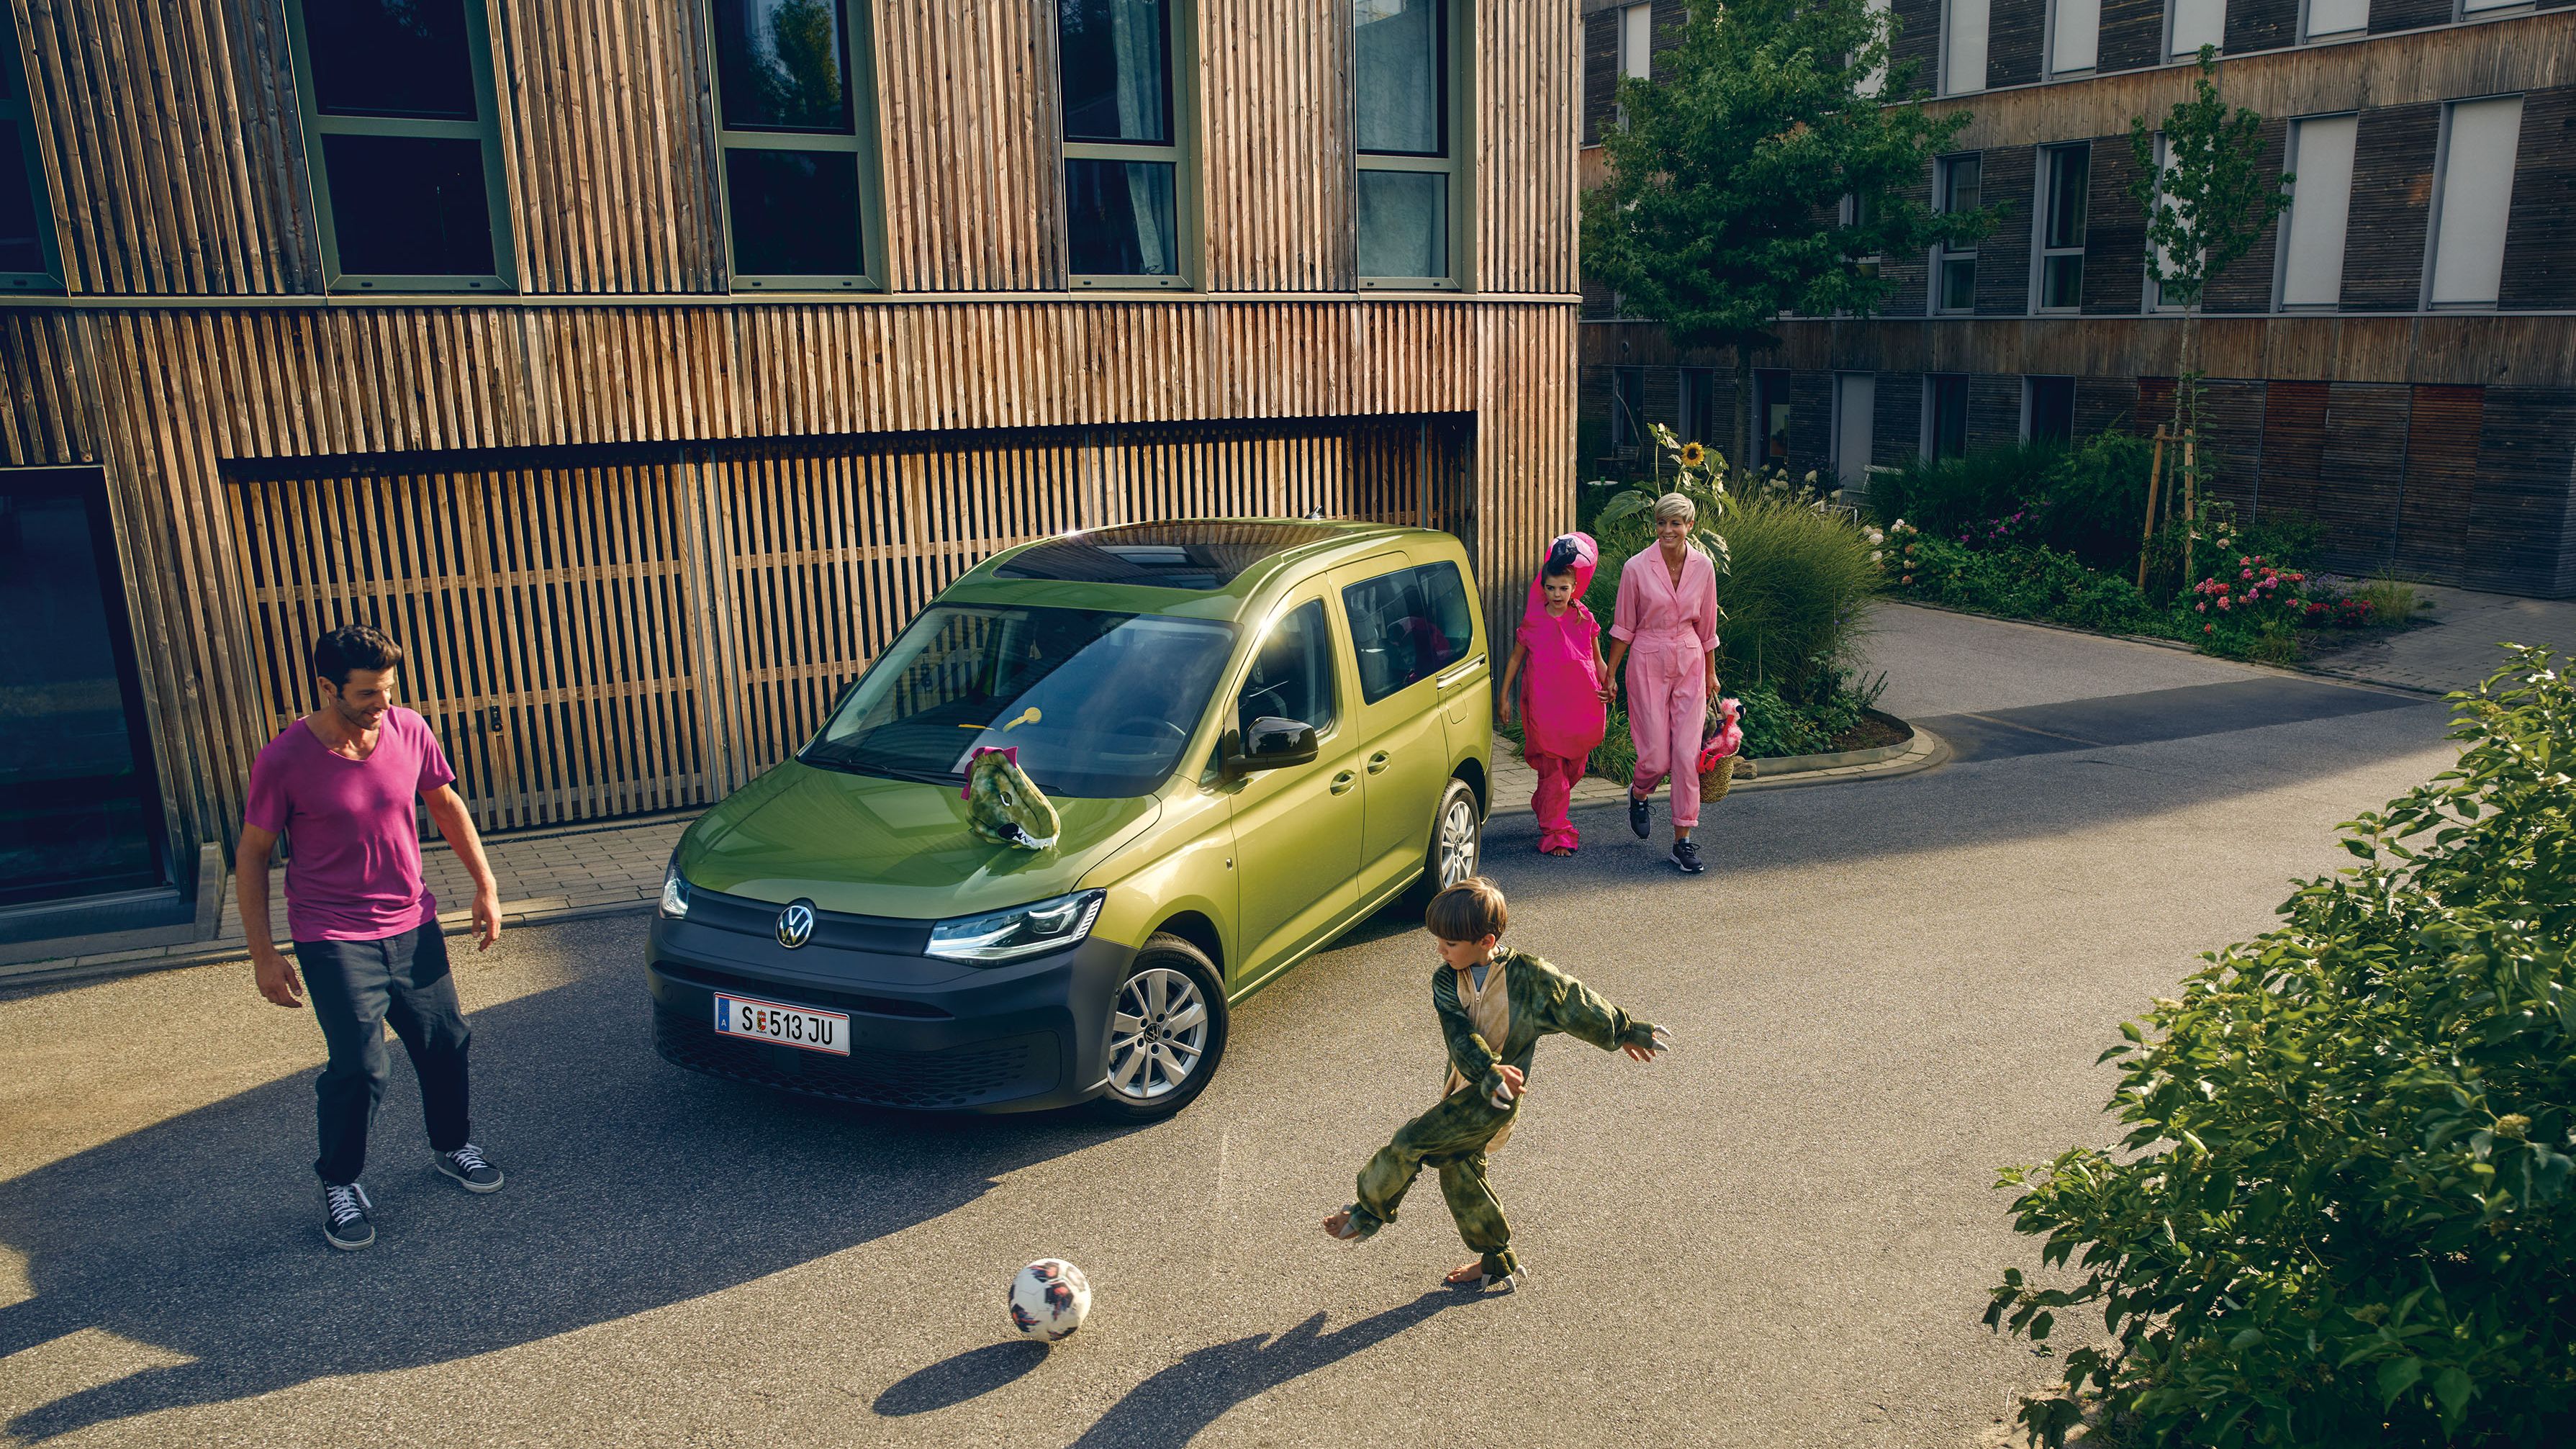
pixel 597 635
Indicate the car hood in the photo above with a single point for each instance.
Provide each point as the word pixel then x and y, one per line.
pixel 871 846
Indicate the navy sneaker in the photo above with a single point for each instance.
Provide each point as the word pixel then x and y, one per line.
pixel 1641 817
pixel 344 1216
pixel 471 1172
pixel 1686 855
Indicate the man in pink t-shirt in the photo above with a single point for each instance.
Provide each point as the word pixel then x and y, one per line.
pixel 339 784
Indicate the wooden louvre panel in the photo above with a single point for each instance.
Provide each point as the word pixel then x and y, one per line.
pixel 2003 255
pixel 2393 15
pixel 2294 443
pixel 1918 42
pixel 2392 191
pixel 2015 30
pixel 638 630
pixel 1994 411
pixel 1523 166
pixel 972 135
pixel 1277 78
pixel 2519 519
pixel 2262 25
pixel 1896 429
pixel 1600 72
pixel 2360 473
pixel 2246 286
pixel 2115 233
pixel 2133 37
pixel 2231 442
pixel 2540 237
pixel 2441 479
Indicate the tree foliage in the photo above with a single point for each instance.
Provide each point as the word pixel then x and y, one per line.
pixel 1727 174
pixel 2210 201
pixel 2342 1214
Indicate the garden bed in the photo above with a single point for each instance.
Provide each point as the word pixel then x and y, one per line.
pixel 1875 731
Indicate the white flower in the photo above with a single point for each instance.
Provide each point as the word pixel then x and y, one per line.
pixel 1876 554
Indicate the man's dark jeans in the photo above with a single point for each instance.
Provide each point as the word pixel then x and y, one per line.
pixel 358 986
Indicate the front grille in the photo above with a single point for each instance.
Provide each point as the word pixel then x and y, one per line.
pixel 833 930
pixel 967 1076
pixel 802 994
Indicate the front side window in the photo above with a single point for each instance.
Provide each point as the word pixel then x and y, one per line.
pixel 2065 173
pixel 1407 626
pixel 397 98
pixel 799 178
pixel 1405 55
pixel 27 261
pixel 1122 151
pixel 1099 704
pixel 1954 270
pixel 1292 673
pixel 2048 410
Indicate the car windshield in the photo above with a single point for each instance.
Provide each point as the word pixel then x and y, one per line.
pixel 1098 704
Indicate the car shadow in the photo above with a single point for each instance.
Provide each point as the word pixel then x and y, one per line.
pixel 633 1185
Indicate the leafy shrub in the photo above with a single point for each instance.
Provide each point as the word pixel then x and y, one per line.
pixel 2391 602
pixel 2024 583
pixel 2342 1212
pixel 1950 495
pixel 2095 498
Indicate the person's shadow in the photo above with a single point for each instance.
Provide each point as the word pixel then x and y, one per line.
pixel 632 1185
pixel 1171 1408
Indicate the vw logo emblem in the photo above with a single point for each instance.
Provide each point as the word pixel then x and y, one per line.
pixel 796 924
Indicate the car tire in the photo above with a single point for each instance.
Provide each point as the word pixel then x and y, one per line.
pixel 1457 848
pixel 1166 1065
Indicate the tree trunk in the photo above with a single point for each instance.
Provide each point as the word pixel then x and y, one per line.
pixel 1744 456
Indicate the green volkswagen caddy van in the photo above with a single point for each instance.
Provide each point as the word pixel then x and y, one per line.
pixel 1253 732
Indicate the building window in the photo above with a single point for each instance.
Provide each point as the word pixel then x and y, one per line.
pixel 1637 41
pixel 1122 154
pixel 2320 156
pixel 1408 183
pixel 2048 410
pixel 2335 17
pixel 2064 174
pixel 1872 83
pixel 1771 419
pixel 1963 46
pixel 397 100
pixel 2195 23
pixel 1945 417
pixel 27 259
pixel 1954 269
pixel 1860 211
pixel 2074 36
pixel 2471 201
pixel 1855 421
pixel 799 163
pixel 1699 420
pixel 2160 262
pixel 1627 408
pixel 2480 7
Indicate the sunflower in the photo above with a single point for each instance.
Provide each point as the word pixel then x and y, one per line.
pixel 1693 455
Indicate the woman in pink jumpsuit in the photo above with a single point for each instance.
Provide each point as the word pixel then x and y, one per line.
pixel 1665 627
pixel 1563 699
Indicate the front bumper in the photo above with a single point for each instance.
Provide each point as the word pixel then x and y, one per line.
pixel 925 1034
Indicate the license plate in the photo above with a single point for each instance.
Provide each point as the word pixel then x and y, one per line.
pixel 796 1026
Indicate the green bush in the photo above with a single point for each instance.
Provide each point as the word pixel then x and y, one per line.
pixel 2341 1214
pixel 2026 583
pixel 1951 495
pixel 2095 500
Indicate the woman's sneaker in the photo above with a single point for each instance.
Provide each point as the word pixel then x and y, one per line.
pixel 344 1216
pixel 1641 817
pixel 467 1166
pixel 1686 855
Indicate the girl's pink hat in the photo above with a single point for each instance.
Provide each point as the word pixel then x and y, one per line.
pixel 1576 550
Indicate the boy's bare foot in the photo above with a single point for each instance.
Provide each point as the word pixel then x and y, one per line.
pixel 1471 1271
pixel 1338 1227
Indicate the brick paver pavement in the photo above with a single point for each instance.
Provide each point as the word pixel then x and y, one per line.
pixel 2456 646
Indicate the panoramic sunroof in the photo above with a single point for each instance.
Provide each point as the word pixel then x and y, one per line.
pixel 1161 555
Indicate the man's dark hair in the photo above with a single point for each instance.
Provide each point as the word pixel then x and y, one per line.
pixel 353 646
pixel 1471 910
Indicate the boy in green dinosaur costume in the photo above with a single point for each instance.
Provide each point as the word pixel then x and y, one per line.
pixel 1493 1005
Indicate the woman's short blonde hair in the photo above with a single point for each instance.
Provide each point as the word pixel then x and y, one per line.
pixel 1676 505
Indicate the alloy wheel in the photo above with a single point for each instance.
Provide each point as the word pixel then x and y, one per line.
pixel 1157 1035
pixel 1459 840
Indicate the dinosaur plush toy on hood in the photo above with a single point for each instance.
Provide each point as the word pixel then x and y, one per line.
pixel 1003 806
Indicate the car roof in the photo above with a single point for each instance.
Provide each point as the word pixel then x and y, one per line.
pixel 1210 568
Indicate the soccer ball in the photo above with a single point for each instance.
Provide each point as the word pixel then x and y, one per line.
pixel 1050 1299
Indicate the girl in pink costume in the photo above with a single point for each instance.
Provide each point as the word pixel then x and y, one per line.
pixel 1665 627
pixel 1564 701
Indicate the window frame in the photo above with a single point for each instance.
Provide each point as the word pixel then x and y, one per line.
pixel 1942 254
pixel 858 63
pixel 2030 384
pixel 2286 229
pixel 1456 87
pixel 1180 36
pixel 2440 198
pixel 2041 252
pixel 1635 426
pixel 485 129
pixel 1772 389
pixel 19 108
pixel 1948 84
pixel 1696 389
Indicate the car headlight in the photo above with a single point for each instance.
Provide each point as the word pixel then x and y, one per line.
pixel 1020 931
pixel 675 891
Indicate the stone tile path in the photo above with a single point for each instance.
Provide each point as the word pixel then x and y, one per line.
pixel 2456 647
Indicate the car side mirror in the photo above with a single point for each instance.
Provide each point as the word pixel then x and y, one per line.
pixel 1271 742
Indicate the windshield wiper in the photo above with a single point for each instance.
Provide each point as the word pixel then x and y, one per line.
pixel 880 768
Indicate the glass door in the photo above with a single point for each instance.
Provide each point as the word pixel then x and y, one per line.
pixel 80 813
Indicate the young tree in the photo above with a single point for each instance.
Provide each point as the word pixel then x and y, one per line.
pixel 2206 202
pixel 1728 174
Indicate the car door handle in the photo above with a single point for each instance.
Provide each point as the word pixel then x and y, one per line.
pixel 1342 782
pixel 1377 763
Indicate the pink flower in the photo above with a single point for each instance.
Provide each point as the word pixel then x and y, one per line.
pixel 2209 628
pixel 2245 573
pixel 2200 608
pixel 2243 560
pixel 2224 601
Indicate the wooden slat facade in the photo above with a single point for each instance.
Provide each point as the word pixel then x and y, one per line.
pixel 656 525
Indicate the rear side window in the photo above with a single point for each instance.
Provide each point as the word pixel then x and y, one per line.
pixel 1407 626
pixel 1292 676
